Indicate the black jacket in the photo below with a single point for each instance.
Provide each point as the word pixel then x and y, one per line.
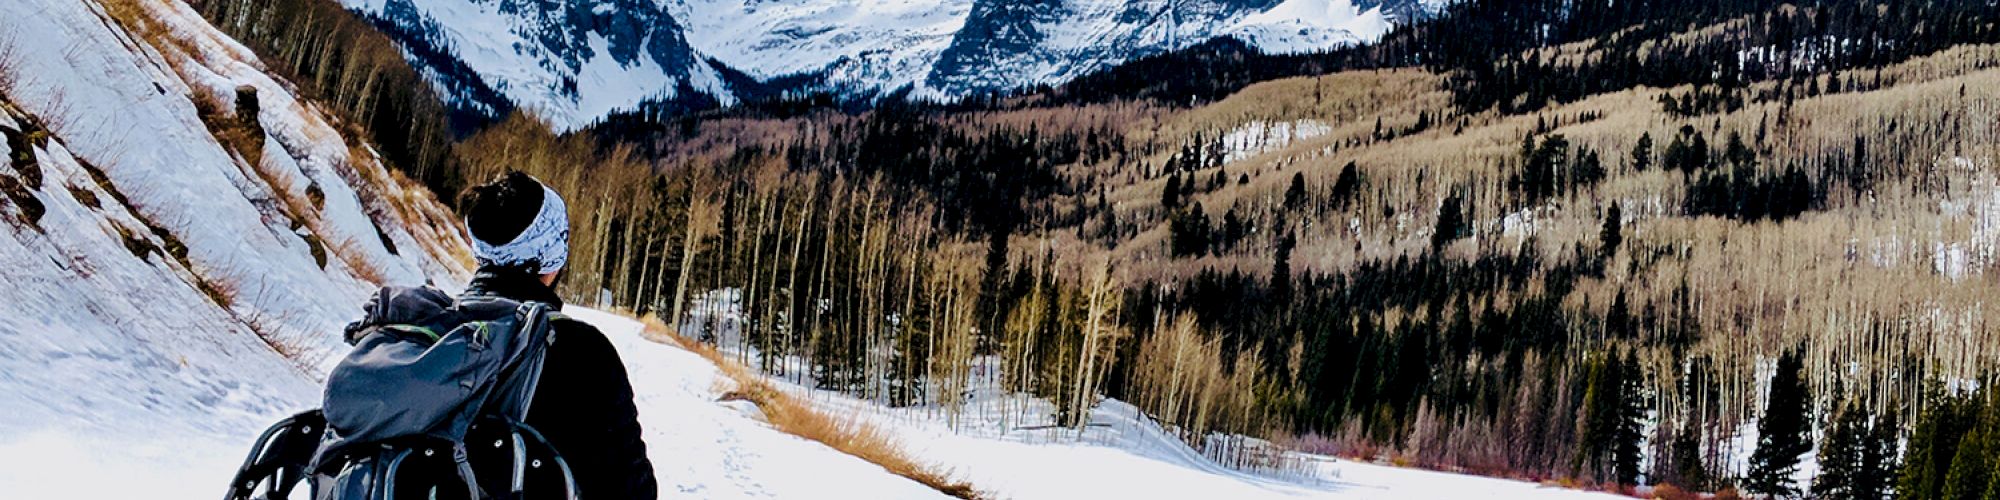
pixel 583 404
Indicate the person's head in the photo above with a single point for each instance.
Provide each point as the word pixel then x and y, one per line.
pixel 517 224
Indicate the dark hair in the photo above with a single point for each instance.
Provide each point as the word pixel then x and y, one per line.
pixel 499 210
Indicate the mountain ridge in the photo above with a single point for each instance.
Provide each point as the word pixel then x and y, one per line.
pixel 573 64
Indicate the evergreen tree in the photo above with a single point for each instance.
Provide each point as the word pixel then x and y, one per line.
pixel 1684 458
pixel 1782 433
pixel 1841 455
pixel 991 312
pixel 1346 186
pixel 1233 231
pixel 1450 223
pixel 1613 232
pixel 1609 432
pixel 1170 198
pixel 1594 429
pixel 1642 153
pixel 1618 322
pixel 1281 270
pixel 1698 153
pixel 1688 152
pixel 1971 468
pixel 1630 427
pixel 1993 483
pixel 1190 232
pixel 1677 152
pixel 1738 154
pixel 1877 472
pixel 1295 195
pixel 1933 446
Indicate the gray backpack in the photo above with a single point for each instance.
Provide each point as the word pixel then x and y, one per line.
pixel 430 403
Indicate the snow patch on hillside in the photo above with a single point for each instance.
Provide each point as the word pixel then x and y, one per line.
pixel 1258 137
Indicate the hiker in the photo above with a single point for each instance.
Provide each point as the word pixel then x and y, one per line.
pixel 583 406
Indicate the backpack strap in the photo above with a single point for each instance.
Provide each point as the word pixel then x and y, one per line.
pixel 519 381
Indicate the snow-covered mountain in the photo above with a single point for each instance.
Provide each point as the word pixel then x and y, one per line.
pixel 576 61
pixel 566 60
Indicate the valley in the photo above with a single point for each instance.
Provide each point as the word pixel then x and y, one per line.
pixel 1057 249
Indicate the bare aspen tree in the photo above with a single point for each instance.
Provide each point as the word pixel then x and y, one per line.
pixel 1101 334
pixel 702 214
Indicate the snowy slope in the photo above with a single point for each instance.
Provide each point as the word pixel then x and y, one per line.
pixel 1125 456
pixel 1007 444
pixel 575 62
pixel 140 309
pixel 1122 455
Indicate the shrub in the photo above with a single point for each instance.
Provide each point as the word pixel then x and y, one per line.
pixel 85 196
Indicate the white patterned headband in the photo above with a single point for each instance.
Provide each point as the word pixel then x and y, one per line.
pixel 542 248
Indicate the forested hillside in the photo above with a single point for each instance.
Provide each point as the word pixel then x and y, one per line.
pixel 1720 244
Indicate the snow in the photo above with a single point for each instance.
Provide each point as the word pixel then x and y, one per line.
pixel 497 40
pixel 486 41
pixel 871 45
pixel 1257 137
pixel 860 47
pixel 704 449
pixel 1001 445
pixel 1296 26
pixel 119 103
pixel 604 85
pixel 114 363
pixel 1006 445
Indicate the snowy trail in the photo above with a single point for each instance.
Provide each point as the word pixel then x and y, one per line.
pixel 84 441
pixel 700 447
pixel 705 449
pixel 1123 455
pixel 1127 458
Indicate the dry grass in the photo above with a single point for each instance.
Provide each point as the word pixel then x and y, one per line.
pixel 222 293
pixel 792 416
pixel 138 19
pixel 235 133
pixel 1671 492
pixel 349 252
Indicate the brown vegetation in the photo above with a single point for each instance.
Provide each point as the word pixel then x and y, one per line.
pixel 787 413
